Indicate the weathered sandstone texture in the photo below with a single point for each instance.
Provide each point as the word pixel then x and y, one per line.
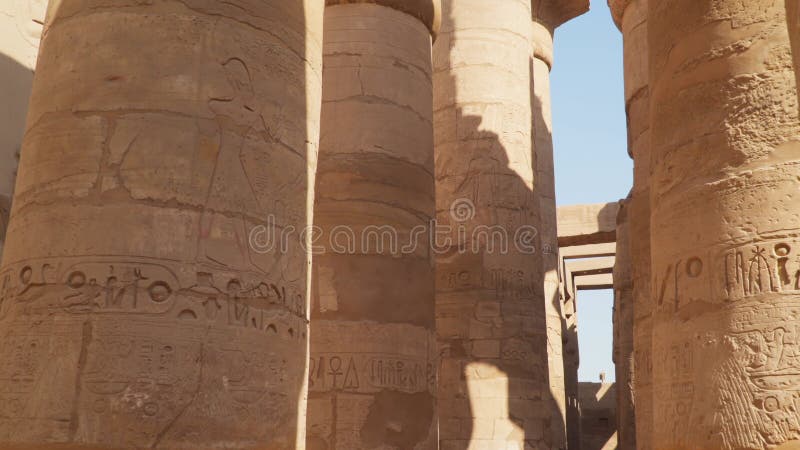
pixel 134 313
pixel 20 30
pixel 623 332
pixel 631 17
pixel 725 225
pixel 372 377
pixel 493 383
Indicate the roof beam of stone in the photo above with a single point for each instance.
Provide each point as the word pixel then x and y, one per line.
pixel 591 266
pixel 589 251
pixel 587 224
pixel 594 282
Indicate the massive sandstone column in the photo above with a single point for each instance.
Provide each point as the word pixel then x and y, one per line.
pixel 631 18
pixel 726 226
pixel 493 382
pixel 623 332
pixel 547 16
pixel 373 349
pixel 134 313
pixel 20 31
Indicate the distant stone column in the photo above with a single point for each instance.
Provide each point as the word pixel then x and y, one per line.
pixel 372 374
pixel 623 332
pixel 631 17
pixel 726 225
pixel 547 16
pixel 493 383
pixel 141 306
pixel 20 31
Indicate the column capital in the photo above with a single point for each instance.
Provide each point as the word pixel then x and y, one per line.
pixel 543 43
pixel 618 8
pixel 554 13
pixel 427 11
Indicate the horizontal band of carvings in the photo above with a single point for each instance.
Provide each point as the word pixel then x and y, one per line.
pixel 427 11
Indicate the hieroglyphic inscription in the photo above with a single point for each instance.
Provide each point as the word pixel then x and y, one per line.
pixel 145 288
pixel 769 267
pixel 367 372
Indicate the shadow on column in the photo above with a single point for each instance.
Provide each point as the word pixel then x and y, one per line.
pixel 15 90
pixel 494 385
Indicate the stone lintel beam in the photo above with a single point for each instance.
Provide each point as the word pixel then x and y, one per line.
pixel 587 224
pixel 589 251
pixel 427 11
pixel 591 266
pixel 585 267
pixel 594 282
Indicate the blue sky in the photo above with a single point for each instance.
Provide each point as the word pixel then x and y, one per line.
pixel 591 158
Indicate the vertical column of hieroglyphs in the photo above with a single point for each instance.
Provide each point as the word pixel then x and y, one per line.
pixel 725 225
pixel 631 18
pixel 20 30
pixel 623 332
pixel 490 314
pixel 133 310
pixel 547 16
pixel 373 347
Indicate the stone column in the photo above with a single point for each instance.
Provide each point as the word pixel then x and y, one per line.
pixel 493 383
pixel 20 31
pixel 726 225
pixel 631 18
pixel 373 348
pixel 137 308
pixel 571 365
pixel 623 332
pixel 547 16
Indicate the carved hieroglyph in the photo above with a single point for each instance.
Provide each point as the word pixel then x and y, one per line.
pixel 726 225
pixel 134 311
pixel 20 29
pixel 631 17
pixel 493 387
pixel 373 350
